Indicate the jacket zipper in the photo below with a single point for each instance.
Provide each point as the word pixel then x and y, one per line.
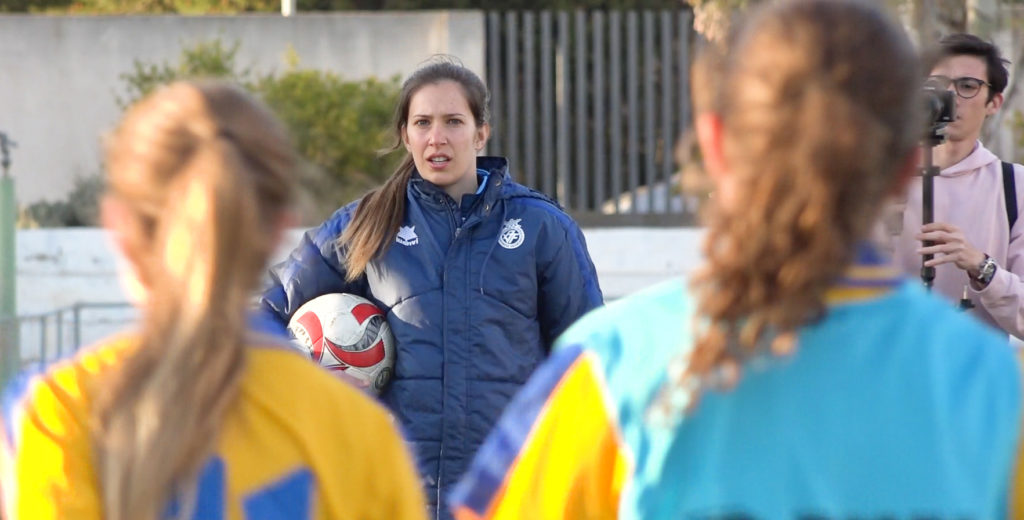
pixel 453 218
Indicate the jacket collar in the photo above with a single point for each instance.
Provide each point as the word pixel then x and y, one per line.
pixel 496 180
pixel 869 276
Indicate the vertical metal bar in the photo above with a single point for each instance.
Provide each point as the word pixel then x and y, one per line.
pixel 494 80
pixel 60 333
pixel 582 171
pixel 632 108
pixel 529 162
pixel 562 86
pixel 668 115
pixel 512 89
pixel 615 113
pixel 547 111
pixel 76 311
pixel 42 339
pixel 684 26
pixel 650 171
pixel 685 33
pixel 10 349
pixel 598 171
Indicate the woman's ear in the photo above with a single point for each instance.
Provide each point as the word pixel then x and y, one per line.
pixel 405 138
pixel 483 133
pixel 116 219
pixel 113 218
pixel 709 136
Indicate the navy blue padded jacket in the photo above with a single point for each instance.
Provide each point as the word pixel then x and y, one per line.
pixel 475 296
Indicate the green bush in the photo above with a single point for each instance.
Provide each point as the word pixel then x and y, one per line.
pixel 210 59
pixel 81 208
pixel 338 127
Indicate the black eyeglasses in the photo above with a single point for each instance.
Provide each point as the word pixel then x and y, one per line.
pixel 966 87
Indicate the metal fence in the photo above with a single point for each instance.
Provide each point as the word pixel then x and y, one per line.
pixel 49 336
pixel 587 106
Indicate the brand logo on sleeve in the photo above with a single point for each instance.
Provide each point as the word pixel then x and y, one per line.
pixel 407 236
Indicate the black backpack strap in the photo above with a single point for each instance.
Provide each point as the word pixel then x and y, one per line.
pixel 1010 193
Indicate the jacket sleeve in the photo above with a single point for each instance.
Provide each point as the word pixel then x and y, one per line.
pixel 314 268
pixel 1003 298
pixel 567 281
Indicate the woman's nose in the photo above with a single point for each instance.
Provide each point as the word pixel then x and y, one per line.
pixel 437 137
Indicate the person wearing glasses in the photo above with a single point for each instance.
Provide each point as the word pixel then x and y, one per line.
pixel 977 239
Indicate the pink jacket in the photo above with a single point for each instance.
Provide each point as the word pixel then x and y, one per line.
pixel 969 195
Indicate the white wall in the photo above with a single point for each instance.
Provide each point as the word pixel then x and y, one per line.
pixel 58 268
pixel 59 74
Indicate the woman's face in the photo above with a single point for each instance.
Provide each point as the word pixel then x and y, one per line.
pixel 443 139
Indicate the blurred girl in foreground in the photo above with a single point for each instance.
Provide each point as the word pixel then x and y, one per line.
pixel 796 375
pixel 195 414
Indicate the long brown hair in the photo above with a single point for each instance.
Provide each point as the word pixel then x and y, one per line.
pixel 380 212
pixel 818 105
pixel 205 173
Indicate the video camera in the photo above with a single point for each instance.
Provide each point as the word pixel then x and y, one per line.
pixel 940 110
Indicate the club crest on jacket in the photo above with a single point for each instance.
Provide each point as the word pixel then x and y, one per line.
pixel 512 235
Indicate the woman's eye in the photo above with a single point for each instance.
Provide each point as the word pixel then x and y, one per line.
pixel 454 121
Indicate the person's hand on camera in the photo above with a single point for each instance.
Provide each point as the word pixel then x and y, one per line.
pixel 949 246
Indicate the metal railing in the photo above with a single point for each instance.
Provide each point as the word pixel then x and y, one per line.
pixel 52 335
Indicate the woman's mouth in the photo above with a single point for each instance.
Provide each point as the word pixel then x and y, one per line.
pixel 439 161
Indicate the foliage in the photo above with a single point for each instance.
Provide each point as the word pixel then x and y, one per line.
pixel 241 6
pixel 210 59
pixel 139 6
pixel 337 125
pixel 711 18
pixel 81 208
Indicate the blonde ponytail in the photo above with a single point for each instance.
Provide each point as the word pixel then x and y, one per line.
pixel 207 170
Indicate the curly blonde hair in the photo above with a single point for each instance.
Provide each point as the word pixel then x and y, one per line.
pixel 818 105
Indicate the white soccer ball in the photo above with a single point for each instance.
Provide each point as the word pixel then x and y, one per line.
pixel 345 332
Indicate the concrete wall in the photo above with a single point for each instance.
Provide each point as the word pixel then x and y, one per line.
pixel 59 74
pixel 61 267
